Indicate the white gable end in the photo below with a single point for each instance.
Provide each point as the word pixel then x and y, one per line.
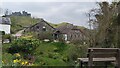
pixel 6 28
pixel 5 24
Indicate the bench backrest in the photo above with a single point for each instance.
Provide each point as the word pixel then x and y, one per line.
pixel 103 53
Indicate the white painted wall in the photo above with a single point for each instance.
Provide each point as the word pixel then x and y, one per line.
pixel 65 36
pixel 6 28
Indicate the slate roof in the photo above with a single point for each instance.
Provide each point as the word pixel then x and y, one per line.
pixel 66 28
pixel 5 20
pixel 41 21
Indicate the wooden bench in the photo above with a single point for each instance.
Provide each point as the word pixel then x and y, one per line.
pixel 106 55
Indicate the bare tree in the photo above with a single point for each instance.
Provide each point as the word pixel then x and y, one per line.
pixel 103 29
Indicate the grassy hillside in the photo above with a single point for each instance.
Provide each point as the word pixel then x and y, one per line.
pixel 57 25
pixel 45 53
pixel 64 23
pixel 19 22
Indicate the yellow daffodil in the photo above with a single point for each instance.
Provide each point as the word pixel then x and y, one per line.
pixel 15 61
pixel 26 62
pixel 22 63
pixel 19 60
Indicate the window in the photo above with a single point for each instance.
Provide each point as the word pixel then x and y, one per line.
pixel 44 28
pixel 70 36
pixel 76 31
pixel 65 36
pixel 37 27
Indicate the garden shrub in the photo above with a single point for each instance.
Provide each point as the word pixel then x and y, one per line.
pixel 14 49
pixel 24 46
pixel 2 32
pixel 6 36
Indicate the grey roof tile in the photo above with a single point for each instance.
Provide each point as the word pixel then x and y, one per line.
pixel 5 20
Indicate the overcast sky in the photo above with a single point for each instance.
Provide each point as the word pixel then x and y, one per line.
pixel 55 12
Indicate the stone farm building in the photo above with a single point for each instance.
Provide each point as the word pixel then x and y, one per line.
pixel 41 26
pixel 67 32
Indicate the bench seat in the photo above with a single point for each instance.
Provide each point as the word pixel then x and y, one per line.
pixel 84 60
pixel 106 55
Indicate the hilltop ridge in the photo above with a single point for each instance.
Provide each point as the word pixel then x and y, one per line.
pixel 20 22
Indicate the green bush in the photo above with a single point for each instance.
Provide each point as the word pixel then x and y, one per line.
pixel 2 32
pixel 21 45
pixel 6 36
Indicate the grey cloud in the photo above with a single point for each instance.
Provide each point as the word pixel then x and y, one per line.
pixel 55 12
